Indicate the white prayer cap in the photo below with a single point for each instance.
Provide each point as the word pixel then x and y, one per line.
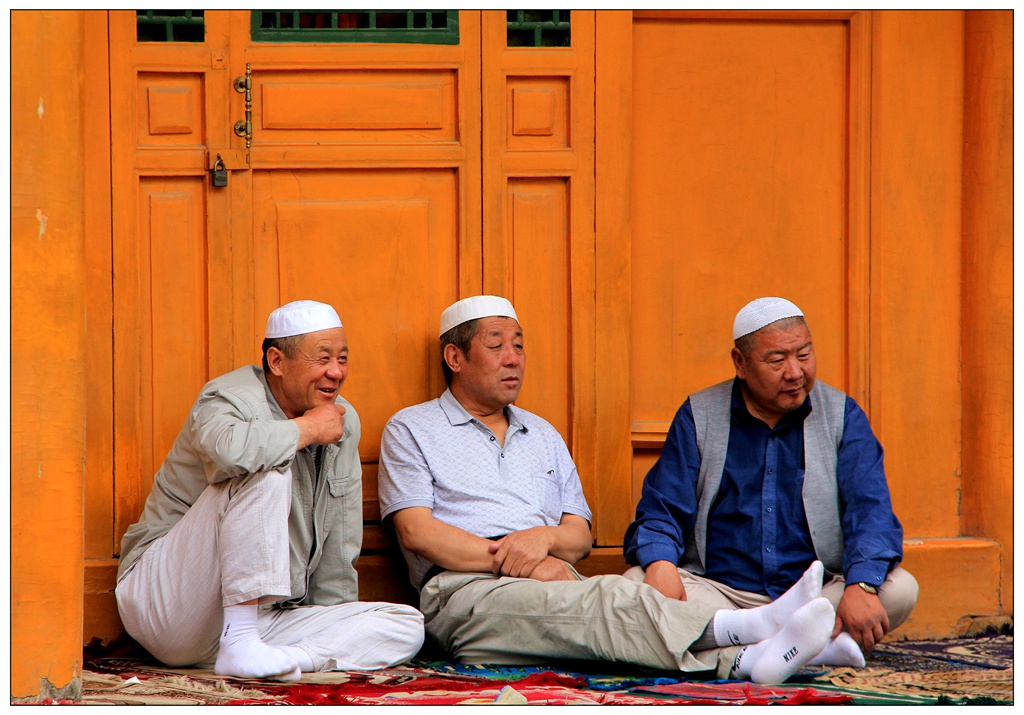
pixel 761 312
pixel 478 306
pixel 300 317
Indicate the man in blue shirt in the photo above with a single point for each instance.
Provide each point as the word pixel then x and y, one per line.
pixel 764 474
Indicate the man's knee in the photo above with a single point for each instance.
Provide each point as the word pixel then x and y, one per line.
pixel 899 595
pixel 406 623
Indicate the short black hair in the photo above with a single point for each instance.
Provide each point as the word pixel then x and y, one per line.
pixel 289 346
pixel 461 336
pixel 745 343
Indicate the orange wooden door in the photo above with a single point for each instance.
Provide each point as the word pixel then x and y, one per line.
pixel 538 218
pixel 358 184
pixel 386 179
pixel 748 154
pixel 169 106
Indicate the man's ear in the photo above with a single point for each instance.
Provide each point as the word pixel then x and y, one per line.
pixel 453 357
pixel 739 362
pixel 275 358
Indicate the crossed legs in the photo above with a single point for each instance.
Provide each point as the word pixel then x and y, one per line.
pixel 194 594
pixel 194 598
pixel 480 618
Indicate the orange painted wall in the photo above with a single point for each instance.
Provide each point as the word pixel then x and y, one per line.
pixel 987 327
pixel 47 344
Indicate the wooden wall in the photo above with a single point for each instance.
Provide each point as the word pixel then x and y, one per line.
pixel 48 341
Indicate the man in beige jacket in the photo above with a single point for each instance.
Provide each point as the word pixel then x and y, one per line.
pixel 244 556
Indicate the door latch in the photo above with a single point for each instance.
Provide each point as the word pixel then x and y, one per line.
pixel 243 85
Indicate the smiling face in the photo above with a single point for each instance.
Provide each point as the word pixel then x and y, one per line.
pixel 313 375
pixel 489 376
pixel 778 373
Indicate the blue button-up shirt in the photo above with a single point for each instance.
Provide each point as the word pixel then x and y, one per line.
pixel 758 539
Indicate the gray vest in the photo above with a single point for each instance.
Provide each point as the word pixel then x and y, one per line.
pixel 823 431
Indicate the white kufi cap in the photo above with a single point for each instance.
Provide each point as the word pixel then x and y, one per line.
pixel 301 317
pixel 478 306
pixel 761 312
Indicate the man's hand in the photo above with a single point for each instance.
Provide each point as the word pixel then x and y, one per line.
pixel 862 614
pixel 520 552
pixel 321 425
pixel 553 568
pixel 664 576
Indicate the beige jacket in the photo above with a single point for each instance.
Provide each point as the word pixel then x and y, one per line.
pixel 236 428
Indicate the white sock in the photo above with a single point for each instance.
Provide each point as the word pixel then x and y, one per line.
pixel 242 653
pixel 841 650
pixel 802 638
pixel 753 625
pixel 299 656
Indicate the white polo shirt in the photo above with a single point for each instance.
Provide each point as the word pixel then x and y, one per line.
pixel 437 455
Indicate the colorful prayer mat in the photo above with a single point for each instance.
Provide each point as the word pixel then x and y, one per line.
pixel 963 671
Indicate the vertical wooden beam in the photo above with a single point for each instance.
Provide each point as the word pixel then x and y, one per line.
pixel 613 286
pixel 916 149
pixel 100 541
pixel 48 383
pixel 858 256
pixel 987 326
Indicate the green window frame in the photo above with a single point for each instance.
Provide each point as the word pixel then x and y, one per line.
pixel 428 27
pixel 538 28
pixel 170 26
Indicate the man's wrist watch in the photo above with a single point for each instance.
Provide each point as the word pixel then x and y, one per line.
pixel 869 588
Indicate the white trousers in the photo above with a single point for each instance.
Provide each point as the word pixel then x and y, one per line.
pixel 898 594
pixel 232 547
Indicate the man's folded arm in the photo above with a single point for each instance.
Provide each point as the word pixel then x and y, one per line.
pixel 239 445
pixel 573 539
pixel 447 546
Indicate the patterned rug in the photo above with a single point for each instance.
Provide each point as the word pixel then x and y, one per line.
pixel 964 671
pixel 118 681
pixel 958 671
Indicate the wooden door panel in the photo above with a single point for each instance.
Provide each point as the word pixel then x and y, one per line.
pixel 538 232
pixel 168 247
pixel 747 138
pixel 175 348
pixel 317 107
pixel 170 110
pixel 386 256
pixel 161 330
pixel 739 156
pixel 538 218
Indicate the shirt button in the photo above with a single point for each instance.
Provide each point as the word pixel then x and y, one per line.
pixel 502 455
pixel 492 437
pixel 769 549
pixel 770 471
pixel 769 510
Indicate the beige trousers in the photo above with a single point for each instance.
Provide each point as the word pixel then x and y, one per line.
pixel 231 547
pixel 483 618
pixel 898 594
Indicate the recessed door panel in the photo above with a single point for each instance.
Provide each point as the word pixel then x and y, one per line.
pixel 382 247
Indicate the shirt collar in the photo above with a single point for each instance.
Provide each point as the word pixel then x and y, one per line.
pixel 275 408
pixel 741 413
pixel 458 415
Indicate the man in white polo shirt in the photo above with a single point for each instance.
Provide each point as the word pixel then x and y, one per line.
pixel 244 556
pixel 491 517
